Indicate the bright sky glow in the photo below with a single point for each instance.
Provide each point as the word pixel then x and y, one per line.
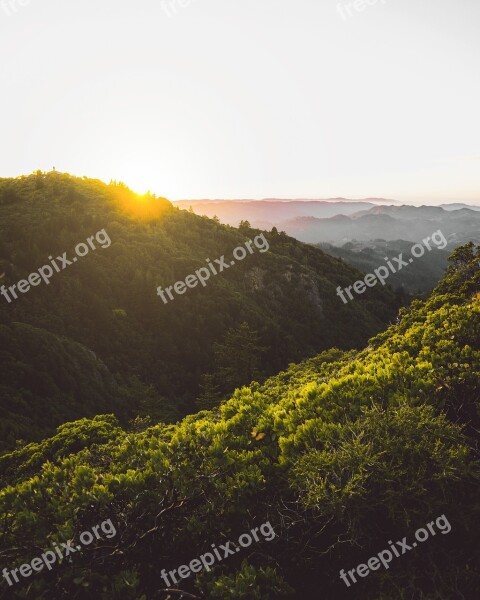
pixel 246 98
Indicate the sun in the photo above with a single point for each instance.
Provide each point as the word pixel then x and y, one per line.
pixel 141 171
pixel 141 207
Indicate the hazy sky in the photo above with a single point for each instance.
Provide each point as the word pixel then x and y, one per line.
pixel 246 98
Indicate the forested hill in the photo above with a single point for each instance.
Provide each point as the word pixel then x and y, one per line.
pixel 339 454
pixel 98 337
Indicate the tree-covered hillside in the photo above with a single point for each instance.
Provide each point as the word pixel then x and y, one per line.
pixel 340 454
pixel 420 276
pixel 98 337
pixel 47 379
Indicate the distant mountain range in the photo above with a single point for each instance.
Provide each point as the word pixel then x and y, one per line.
pixel 456 206
pixel 338 220
pixel 270 212
pixel 408 223
pixel 361 232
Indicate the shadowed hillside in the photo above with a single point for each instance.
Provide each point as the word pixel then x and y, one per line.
pixel 145 357
pixel 329 460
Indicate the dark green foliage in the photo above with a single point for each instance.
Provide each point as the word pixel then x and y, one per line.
pixel 107 303
pixel 239 359
pixel 70 438
pixel 420 276
pixel 248 583
pixel 340 453
pixel 48 379
pixel 210 395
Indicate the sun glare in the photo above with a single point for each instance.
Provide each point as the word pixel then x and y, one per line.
pixel 142 207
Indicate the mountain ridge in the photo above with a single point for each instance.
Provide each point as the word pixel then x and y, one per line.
pixel 108 302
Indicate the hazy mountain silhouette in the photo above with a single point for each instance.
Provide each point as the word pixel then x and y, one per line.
pixel 269 212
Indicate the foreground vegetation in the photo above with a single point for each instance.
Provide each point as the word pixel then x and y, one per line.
pixel 340 453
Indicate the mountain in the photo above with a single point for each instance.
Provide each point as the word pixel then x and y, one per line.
pixel 270 212
pixel 48 379
pixel 95 336
pixel 456 206
pixel 338 221
pixel 420 276
pixel 289 487
pixel 408 223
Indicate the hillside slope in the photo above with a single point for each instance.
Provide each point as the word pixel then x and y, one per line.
pixel 423 275
pixel 46 379
pixel 339 454
pixel 107 301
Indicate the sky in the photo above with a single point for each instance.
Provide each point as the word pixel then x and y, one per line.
pixel 246 98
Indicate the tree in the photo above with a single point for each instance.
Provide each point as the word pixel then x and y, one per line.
pixel 210 395
pixel 244 226
pixel 238 360
pixel 461 257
